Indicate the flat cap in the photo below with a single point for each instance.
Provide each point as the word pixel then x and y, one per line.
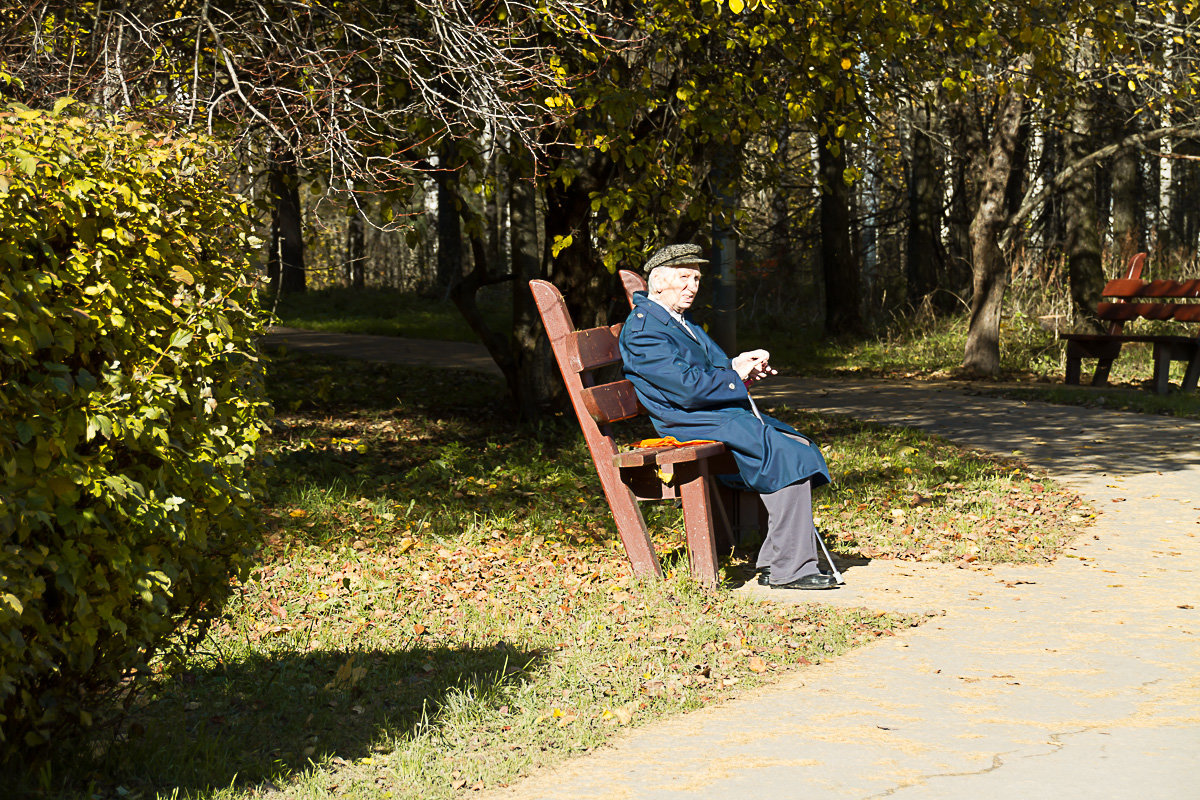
pixel 675 255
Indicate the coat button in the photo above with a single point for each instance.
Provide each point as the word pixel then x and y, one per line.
pixel 640 316
pixel 731 386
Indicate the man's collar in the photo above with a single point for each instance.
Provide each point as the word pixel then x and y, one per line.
pixel 666 315
pixel 670 313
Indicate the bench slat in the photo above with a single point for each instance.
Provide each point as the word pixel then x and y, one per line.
pixel 1125 287
pixel 1181 312
pixel 593 348
pixel 611 402
pixel 644 456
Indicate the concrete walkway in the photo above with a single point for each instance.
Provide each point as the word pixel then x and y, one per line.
pixel 1076 680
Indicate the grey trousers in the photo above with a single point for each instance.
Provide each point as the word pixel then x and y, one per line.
pixel 790 549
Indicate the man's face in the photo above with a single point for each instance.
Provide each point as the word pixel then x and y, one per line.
pixel 678 291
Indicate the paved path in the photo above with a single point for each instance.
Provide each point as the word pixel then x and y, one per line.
pixel 388 349
pixel 1075 680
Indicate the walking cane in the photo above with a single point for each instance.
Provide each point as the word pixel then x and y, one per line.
pixel 829 558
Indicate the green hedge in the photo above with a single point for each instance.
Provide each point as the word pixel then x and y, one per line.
pixel 130 408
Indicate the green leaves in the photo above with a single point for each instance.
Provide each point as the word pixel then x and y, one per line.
pixel 13 603
pixel 129 401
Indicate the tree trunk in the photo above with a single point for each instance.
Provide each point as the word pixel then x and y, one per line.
pixel 1164 238
pixel 925 256
pixel 989 273
pixel 496 207
pixel 464 293
pixel 356 250
pixel 780 232
pixel 1128 198
pixel 866 230
pixel 1127 206
pixel 1185 219
pixel 285 262
pixel 966 164
pixel 839 262
pixel 449 225
pixel 575 270
pixel 1085 272
pixel 538 387
pixel 1050 224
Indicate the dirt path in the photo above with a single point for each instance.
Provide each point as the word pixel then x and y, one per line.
pixel 387 349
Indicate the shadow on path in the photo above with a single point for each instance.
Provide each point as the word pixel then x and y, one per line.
pixel 1068 440
pixel 387 349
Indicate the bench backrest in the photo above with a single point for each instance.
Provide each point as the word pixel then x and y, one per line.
pixel 1132 273
pixel 1134 298
pixel 1156 300
pixel 580 353
pixel 633 282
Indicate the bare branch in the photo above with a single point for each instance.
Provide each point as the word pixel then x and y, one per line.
pixel 357 89
pixel 1035 197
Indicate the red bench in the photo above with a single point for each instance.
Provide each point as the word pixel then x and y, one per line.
pixel 627 476
pixel 1132 298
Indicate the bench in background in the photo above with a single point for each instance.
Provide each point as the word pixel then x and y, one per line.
pixel 1133 298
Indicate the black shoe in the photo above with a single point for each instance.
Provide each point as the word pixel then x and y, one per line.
pixel 817 580
pixel 764 575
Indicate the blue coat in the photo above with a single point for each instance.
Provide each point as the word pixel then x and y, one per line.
pixel 692 392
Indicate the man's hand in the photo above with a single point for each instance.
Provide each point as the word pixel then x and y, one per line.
pixel 752 365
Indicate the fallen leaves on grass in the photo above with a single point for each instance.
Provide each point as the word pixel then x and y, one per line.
pixel 588 648
pixel 933 500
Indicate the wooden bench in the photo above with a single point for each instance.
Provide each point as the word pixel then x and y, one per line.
pixel 1133 298
pixel 633 282
pixel 627 476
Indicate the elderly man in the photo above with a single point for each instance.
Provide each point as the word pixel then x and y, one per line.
pixel 694 391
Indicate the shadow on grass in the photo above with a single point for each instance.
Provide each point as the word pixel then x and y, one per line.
pixel 391 312
pixel 425 445
pixel 269 718
pixel 458 404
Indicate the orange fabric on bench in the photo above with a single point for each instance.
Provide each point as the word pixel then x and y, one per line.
pixel 669 441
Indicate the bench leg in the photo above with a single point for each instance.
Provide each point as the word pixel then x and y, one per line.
pixel 1074 367
pixel 1162 369
pixel 701 533
pixel 631 527
pixel 1193 372
pixel 1103 367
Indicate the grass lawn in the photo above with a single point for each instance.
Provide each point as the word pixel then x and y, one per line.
pixel 441 603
